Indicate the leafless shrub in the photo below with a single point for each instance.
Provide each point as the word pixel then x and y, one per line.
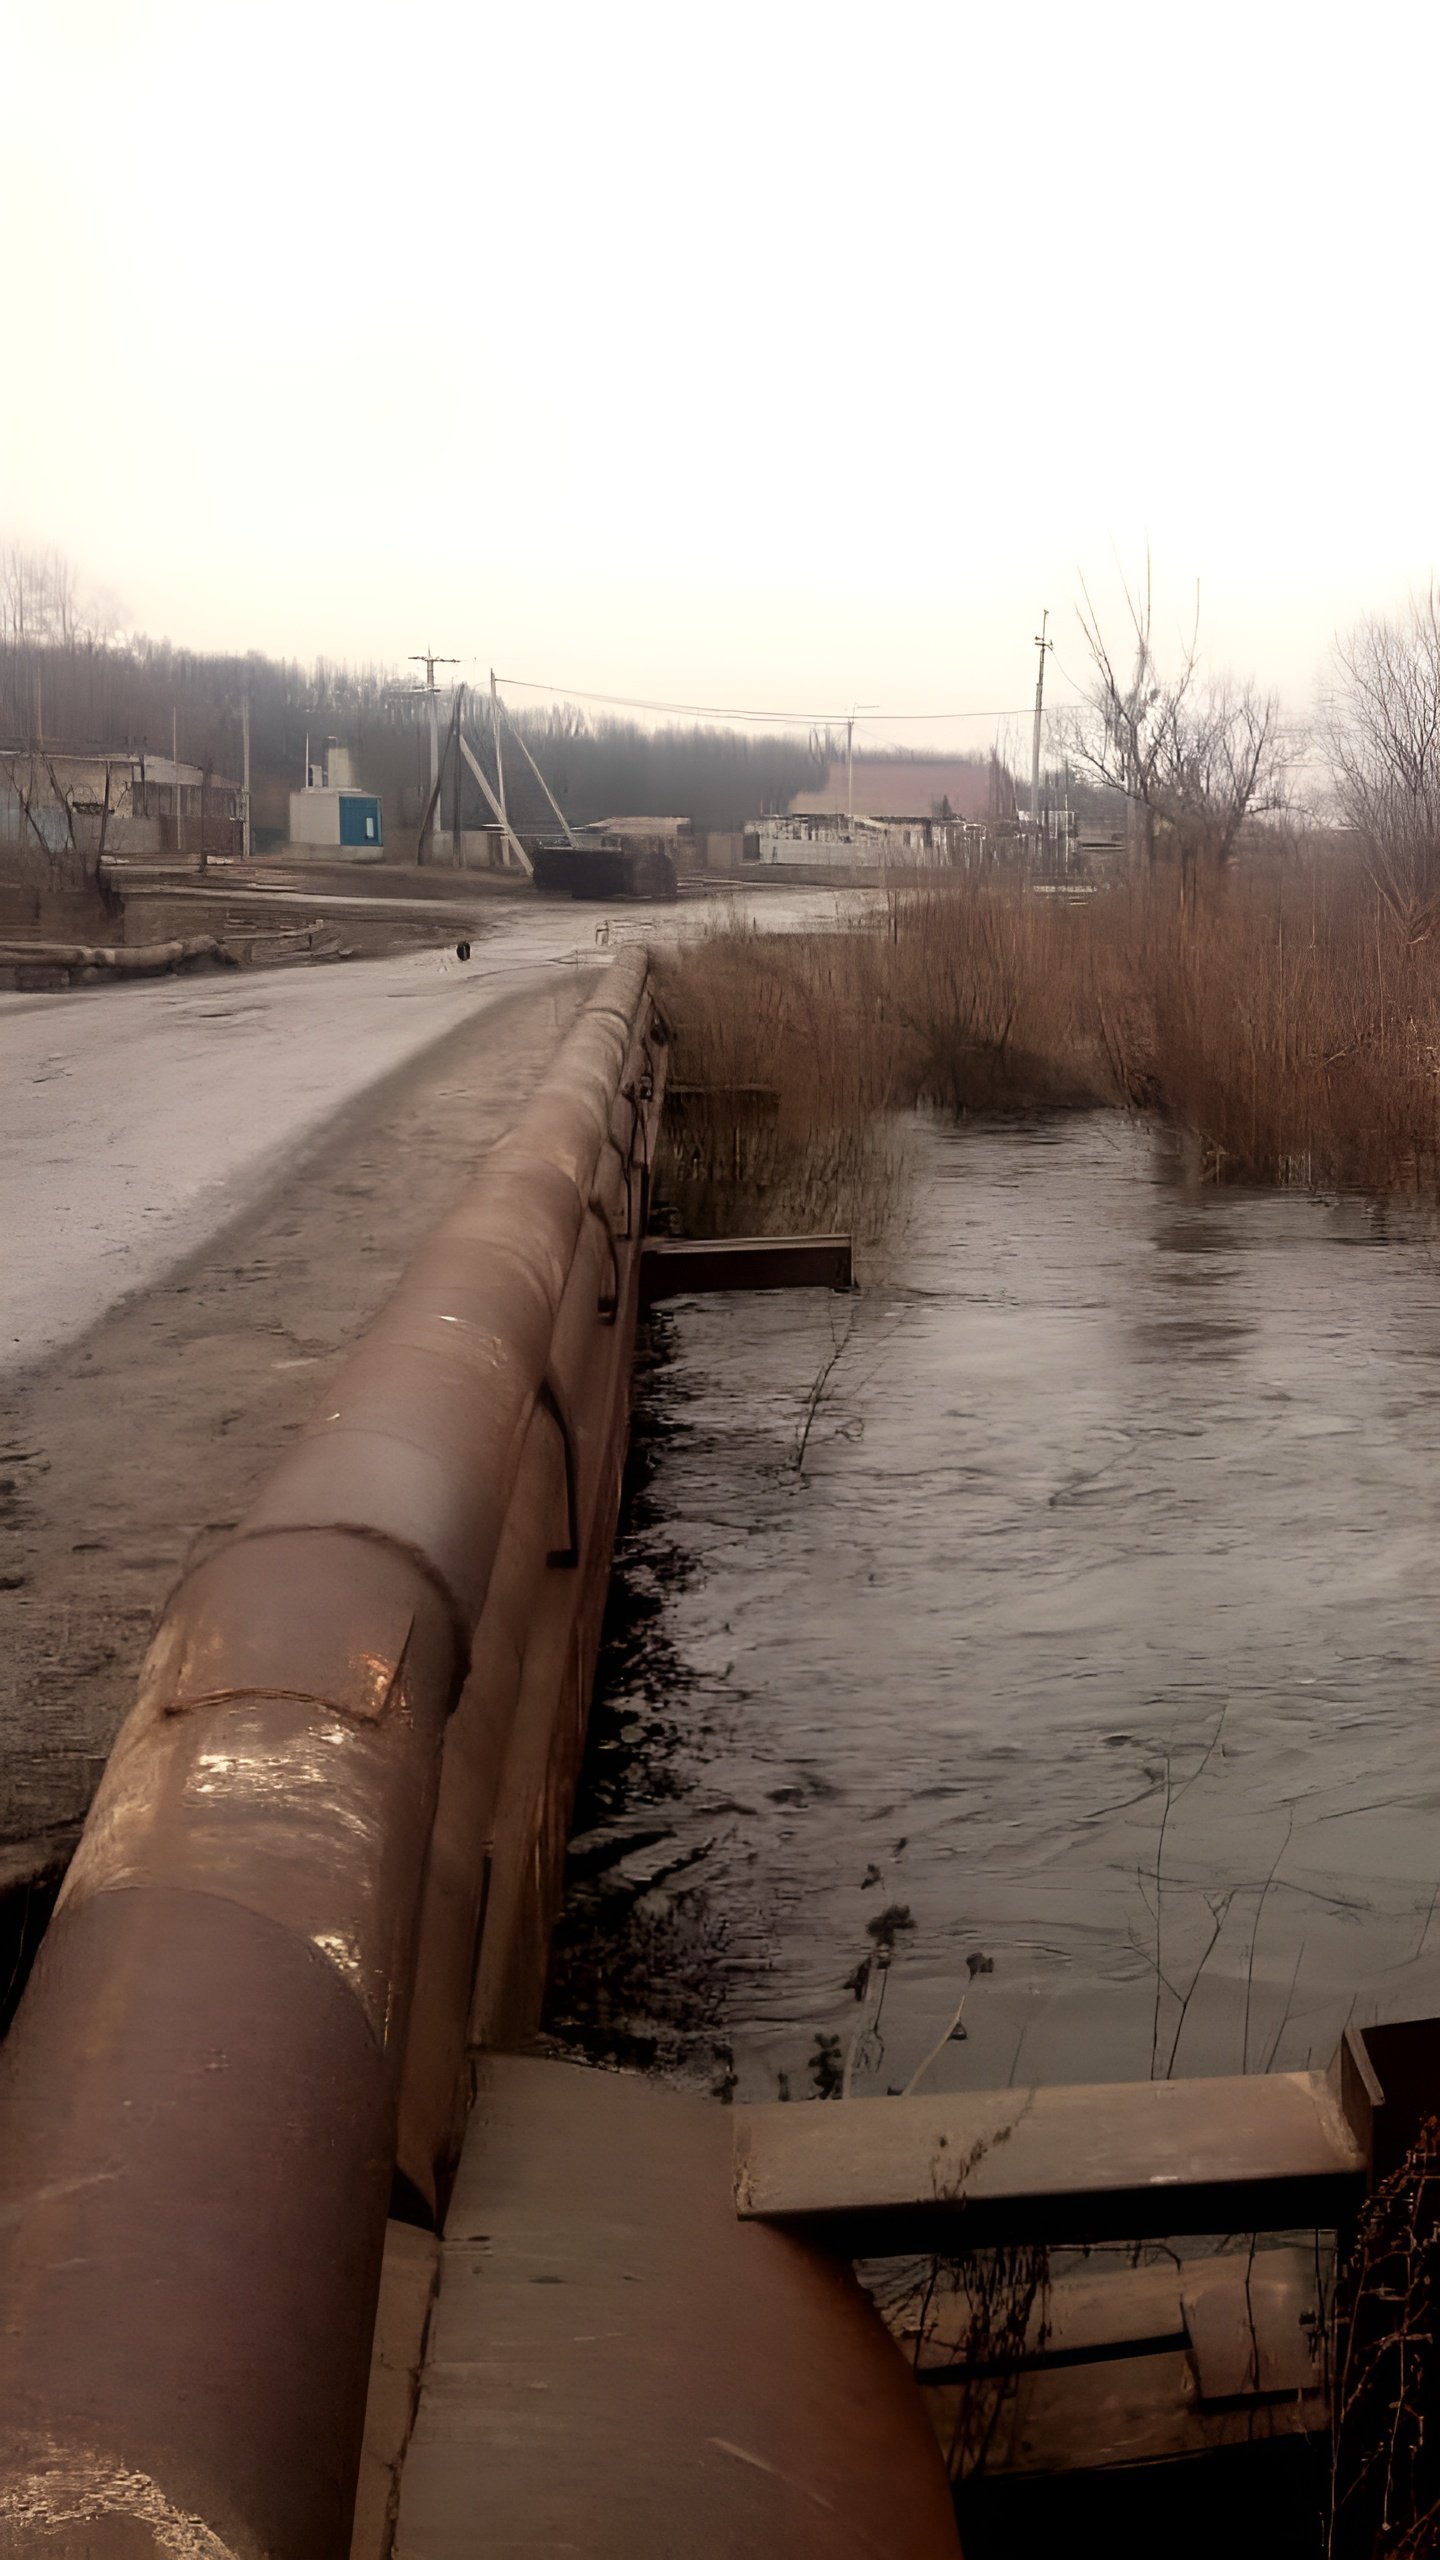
pixel 1382 729
pixel 781 1117
pixel 1385 2497
pixel 1195 756
pixel 980 2318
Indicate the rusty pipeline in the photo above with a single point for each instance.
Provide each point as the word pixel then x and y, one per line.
pixel 199 2098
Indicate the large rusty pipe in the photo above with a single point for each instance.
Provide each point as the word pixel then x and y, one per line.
pixel 533 1811
pixel 197 2099
pixel 505 1715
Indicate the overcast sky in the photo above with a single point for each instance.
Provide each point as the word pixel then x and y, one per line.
pixel 784 355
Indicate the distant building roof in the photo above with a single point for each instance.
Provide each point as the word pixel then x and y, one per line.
pixel 636 826
pixel 914 787
pixel 135 760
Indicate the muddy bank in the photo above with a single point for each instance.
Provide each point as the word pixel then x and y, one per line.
pixel 1086 1640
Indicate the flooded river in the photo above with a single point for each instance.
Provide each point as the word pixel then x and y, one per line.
pixel 1062 1613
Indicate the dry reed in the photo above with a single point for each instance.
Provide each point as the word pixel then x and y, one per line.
pixel 1282 1016
pixel 1385 2493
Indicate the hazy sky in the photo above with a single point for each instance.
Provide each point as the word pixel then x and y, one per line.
pixel 779 355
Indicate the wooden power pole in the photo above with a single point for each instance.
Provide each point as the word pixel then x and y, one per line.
pixel 1042 644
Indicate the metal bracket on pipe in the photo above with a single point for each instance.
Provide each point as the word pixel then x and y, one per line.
pixel 569 1555
pixel 637 1098
pixel 607 1307
pixel 626 1167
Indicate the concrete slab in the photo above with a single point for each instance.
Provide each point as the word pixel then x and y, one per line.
pixel 407 2288
pixel 618 2369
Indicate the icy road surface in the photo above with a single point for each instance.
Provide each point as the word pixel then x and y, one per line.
pixel 138 1120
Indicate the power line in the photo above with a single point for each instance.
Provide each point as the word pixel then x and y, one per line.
pixel 731 711
pixel 1017 711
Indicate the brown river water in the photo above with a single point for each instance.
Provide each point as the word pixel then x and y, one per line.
pixel 1093 1639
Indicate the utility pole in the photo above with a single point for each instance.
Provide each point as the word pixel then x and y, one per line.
pixel 175 773
pixel 427 659
pixel 1042 644
pixel 245 776
pixel 855 710
pixel 457 844
pixel 499 759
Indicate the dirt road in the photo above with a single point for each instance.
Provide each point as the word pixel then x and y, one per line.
pixel 209 1188
pixel 124 1454
pixel 140 1119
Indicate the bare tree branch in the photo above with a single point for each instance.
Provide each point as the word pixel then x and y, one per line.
pixel 1194 757
pixel 1382 731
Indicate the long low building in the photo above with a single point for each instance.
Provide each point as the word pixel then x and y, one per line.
pixel 903 790
pixel 839 843
pixel 889 812
pixel 118 802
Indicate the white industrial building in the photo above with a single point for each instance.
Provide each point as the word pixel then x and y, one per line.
pixel 332 812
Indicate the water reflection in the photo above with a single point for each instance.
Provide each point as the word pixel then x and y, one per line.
pixel 1097 1629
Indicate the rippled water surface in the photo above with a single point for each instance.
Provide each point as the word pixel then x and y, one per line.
pixel 1094 1634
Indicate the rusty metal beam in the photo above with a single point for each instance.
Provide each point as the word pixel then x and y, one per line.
pixel 679 1267
pixel 1129 2160
pixel 198 2099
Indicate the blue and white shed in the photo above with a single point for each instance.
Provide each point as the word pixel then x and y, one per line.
pixel 332 810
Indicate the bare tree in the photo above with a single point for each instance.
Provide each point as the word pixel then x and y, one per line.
pixel 1115 739
pixel 49 627
pixel 28 781
pixel 39 599
pixel 1194 756
pixel 1220 763
pixel 1382 731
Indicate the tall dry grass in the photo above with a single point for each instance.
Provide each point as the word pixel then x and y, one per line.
pixel 783 1113
pixel 1282 1016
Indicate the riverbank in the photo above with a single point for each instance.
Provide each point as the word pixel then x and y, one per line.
pixel 1283 1017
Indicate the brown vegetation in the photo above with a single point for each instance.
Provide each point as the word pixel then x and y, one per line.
pixel 1383 736
pixel 1284 1016
pixel 1385 2490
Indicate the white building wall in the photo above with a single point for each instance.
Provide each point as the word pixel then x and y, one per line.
pixel 868 844
pixel 314 817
